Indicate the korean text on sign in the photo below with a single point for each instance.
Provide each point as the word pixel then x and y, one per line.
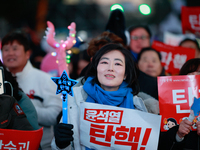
pixel 14 146
pixel 190 19
pixel 176 95
pixel 105 128
pixel 20 140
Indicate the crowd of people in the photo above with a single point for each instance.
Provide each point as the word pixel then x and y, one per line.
pixel 110 71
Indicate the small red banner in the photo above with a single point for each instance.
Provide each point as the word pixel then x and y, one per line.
pixel 190 18
pixel 20 140
pixel 173 57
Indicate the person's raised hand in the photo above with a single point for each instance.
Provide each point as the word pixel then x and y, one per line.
pixel 63 134
pixel 184 128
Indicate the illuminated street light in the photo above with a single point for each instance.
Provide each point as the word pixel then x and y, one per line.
pixel 144 9
pixel 116 6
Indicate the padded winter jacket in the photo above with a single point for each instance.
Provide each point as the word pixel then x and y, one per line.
pixel 11 115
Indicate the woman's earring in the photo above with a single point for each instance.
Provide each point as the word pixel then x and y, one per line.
pixel 124 78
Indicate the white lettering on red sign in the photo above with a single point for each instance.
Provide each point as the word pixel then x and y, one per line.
pixel 195 21
pixel 179 98
pixel 103 116
pixel 179 60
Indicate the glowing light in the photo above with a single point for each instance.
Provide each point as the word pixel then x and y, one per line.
pixel 80 38
pixel 68 61
pixel 145 9
pixel 116 6
pixel 74 41
pixel 61 41
pixel 64 45
pixel 57 61
pixel 68 56
pixel 53 53
pixel 57 45
pixel 64 81
pixel 72 35
pixel 69 51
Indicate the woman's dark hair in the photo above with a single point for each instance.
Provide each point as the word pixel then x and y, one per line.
pixel 18 36
pixel 8 77
pixel 148 49
pixel 190 66
pixel 104 38
pixel 190 40
pixel 130 66
pixel 130 29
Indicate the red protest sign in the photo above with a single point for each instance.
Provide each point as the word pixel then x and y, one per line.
pixel 173 57
pixel 190 18
pixel 20 140
pixel 176 95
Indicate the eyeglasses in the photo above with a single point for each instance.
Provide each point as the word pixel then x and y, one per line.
pixel 143 37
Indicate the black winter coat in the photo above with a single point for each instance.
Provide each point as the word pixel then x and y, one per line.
pixel 11 115
pixel 168 141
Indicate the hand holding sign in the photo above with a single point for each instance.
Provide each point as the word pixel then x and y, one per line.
pixel 184 128
pixel 65 87
pixel 185 125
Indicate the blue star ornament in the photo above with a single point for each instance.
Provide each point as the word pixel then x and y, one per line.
pixel 196 106
pixel 64 84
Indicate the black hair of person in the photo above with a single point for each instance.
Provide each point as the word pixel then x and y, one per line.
pixel 190 66
pixel 9 77
pixel 18 36
pixel 148 49
pixel 190 40
pixel 131 28
pixel 130 66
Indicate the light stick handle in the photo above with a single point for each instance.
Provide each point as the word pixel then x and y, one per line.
pixel 64 86
pixel 191 116
pixel 65 110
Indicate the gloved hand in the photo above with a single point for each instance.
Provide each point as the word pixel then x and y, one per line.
pixel 63 135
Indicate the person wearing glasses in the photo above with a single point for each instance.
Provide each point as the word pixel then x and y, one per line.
pixel 139 38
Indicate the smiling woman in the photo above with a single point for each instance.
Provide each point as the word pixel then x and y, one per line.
pixel 119 62
pixel 110 80
pixel 111 70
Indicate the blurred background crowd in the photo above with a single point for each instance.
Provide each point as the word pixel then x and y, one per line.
pixel 91 18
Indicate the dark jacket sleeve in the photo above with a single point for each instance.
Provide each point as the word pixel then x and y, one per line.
pixel 167 140
pixel 11 114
